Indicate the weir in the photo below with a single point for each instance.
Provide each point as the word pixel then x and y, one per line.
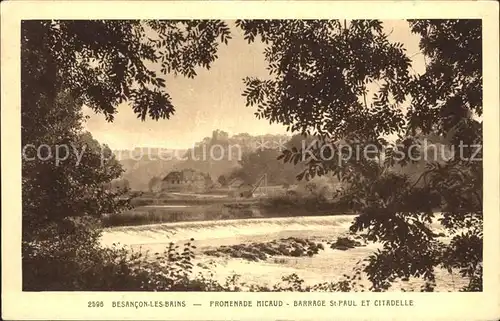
pixel 207 230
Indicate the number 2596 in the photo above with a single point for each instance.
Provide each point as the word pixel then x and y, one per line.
pixel 95 304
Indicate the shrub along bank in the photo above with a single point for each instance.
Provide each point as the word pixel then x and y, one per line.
pixel 75 261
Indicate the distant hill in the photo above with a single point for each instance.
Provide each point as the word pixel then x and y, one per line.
pixel 245 156
pixel 141 164
pixel 221 153
pixel 216 155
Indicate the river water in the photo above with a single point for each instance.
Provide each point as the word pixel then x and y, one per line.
pixel 328 265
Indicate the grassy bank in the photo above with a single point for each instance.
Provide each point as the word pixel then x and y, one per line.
pixel 152 215
pixel 157 210
pixel 189 201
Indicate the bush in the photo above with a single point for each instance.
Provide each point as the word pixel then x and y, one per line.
pixel 314 196
pixel 299 204
pixel 293 283
pixel 322 188
pixel 73 260
pixel 69 258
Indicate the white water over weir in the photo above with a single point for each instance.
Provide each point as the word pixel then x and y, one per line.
pixel 328 265
pixel 220 229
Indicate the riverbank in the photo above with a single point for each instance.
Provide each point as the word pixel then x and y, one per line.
pixel 325 265
pixel 183 209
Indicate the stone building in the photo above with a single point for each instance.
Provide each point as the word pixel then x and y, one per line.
pixel 187 180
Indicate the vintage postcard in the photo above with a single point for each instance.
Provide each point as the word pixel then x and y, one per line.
pixel 254 160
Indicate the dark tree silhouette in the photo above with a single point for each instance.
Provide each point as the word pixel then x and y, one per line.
pixel 99 63
pixel 107 62
pixel 322 71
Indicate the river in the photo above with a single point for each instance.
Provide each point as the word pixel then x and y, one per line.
pixel 327 265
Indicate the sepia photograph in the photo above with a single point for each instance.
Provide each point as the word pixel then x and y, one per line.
pixel 252 155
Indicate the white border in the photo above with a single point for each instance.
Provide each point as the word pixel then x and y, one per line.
pixel 73 305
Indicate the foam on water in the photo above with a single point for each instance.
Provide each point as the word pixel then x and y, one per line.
pixel 206 230
pixel 223 229
pixel 328 265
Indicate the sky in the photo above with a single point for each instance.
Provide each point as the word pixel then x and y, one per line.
pixel 212 100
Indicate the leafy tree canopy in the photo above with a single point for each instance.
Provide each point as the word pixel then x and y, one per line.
pixel 321 74
pixel 77 184
pixel 99 63
pixel 322 71
pixel 107 62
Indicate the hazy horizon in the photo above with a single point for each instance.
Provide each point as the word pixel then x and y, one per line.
pixel 212 100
